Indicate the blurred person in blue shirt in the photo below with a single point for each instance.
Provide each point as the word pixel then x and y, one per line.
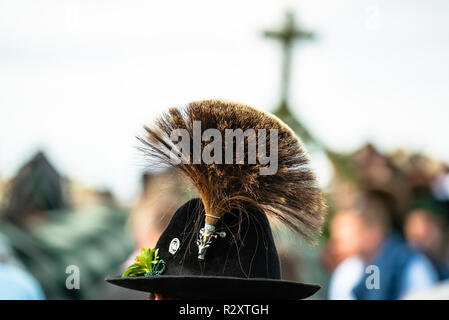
pixel 392 268
pixel 343 249
pixel 15 282
pixel 425 228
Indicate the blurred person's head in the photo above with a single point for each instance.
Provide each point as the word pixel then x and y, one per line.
pixel 345 235
pixel 426 222
pixel 423 229
pixel 162 194
pixel 375 210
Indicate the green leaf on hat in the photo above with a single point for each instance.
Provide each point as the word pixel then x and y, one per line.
pixel 143 263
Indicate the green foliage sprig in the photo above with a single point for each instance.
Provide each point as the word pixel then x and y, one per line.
pixel 143 264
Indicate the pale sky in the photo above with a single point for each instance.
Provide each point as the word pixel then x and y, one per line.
pixel 79 79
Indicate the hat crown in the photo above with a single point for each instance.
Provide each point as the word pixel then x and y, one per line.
pixel 246 251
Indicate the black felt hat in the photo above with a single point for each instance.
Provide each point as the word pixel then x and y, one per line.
pixel 221 245
pixel 243 264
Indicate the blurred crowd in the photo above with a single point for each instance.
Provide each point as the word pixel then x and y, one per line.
pixel 387 228
pixel 58 239
pixel 385 237
pixel 386 234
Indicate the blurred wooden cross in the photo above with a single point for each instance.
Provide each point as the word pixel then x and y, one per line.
pixel 287 35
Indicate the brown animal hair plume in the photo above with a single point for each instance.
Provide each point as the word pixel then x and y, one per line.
pixel 291 194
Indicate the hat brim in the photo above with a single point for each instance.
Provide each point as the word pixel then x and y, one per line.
pixel 212 287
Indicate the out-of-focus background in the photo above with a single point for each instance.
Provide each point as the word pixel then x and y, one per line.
pixel 364 83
